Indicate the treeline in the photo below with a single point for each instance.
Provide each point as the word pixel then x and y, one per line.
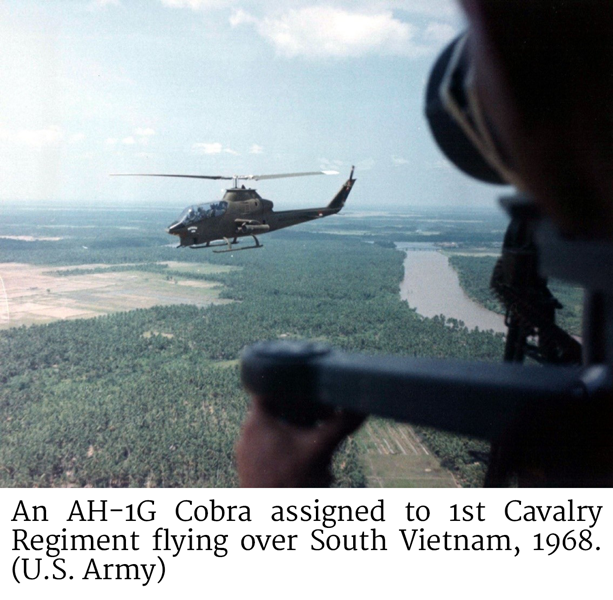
pixel 146 267
pixel 475 273
pixel 152 397
pixel 82 251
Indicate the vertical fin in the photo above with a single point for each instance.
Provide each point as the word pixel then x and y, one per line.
pixel 339 200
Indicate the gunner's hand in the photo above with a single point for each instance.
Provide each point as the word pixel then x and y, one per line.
pixel 273 453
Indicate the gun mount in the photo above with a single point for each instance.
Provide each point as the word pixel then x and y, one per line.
pixel 303 381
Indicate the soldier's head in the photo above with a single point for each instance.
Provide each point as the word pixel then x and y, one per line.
pixel 543 74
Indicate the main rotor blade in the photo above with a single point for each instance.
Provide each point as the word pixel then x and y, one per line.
pixel 169 175
pixel 284 175
pixel 234 178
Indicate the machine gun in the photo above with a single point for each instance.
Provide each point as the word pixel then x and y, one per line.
pixel 529 304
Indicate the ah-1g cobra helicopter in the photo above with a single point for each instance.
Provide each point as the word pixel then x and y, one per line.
pixel 243 212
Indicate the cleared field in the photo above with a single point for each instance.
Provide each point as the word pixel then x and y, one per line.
pixel 394 456
pixel 32 294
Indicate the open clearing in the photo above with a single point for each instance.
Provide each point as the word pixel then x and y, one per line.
pixel 33 294
pixel 394 456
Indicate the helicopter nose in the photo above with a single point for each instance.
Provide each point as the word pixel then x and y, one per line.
pixel 176 228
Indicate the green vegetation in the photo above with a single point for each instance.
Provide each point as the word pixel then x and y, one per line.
pixel 475 273
pixel 464 456
pixel 146 267
pixel 152 397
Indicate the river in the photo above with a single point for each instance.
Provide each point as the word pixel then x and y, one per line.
pixel 432 287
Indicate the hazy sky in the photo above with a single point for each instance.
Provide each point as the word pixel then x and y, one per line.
pixel 92 87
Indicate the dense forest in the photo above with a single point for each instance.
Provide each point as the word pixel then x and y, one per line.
pixel 151 397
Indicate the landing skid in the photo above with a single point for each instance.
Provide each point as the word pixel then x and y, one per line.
pixel 235 241
pixel 229 245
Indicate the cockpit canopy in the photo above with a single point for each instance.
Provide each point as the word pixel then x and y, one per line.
pixel 197 212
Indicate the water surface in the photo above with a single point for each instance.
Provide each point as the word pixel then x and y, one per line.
pixel 432 287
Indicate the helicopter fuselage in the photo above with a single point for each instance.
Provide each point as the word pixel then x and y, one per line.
pixel 243 212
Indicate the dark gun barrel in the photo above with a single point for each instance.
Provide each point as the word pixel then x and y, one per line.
pixel 302 381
